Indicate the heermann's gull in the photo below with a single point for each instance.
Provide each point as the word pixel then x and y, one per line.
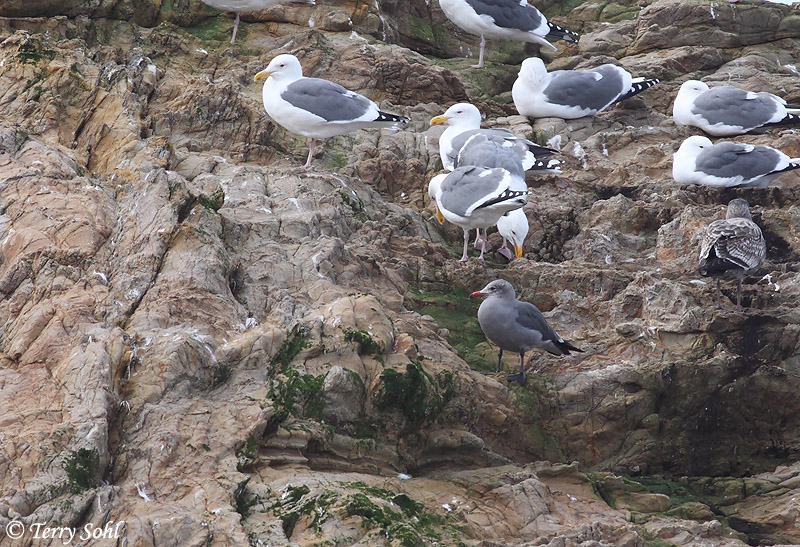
pixel 313 107
pixel 698 161
pixel 725 110
pixel 463 122
pixel 516 326
pixel 571 94
pixel 506 19
pixel 732 247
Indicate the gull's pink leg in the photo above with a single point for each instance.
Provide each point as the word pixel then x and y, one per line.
pixel 311 147
pixel 235 28
pixel 466 245
pixel 480 58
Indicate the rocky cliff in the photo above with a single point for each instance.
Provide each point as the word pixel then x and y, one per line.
pixel 206 342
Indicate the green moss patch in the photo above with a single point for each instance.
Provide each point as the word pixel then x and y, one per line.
pixel 82 468
pixel 298 395
pixel 354 204
pixel 295 502
pixel 458 314
pixel 294 344
pixel 415 393
pixel 366 344
pixel 218 29
pixel 212 202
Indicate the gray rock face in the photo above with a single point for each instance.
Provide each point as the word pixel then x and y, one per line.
pixel 203 340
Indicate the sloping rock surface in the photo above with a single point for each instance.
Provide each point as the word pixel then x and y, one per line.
pixel 206 342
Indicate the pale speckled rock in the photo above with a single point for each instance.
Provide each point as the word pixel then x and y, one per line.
pixel 160 322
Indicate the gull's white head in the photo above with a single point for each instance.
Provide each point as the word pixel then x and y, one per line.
pixel 533 72
pixel 514 227
pixel 462 115
pixel 283 67
pixel 692 88
pixel 694 145
pixel 684 160
pixel 433 188
pixel 682 109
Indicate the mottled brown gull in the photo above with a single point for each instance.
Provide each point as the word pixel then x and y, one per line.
pixel 733 247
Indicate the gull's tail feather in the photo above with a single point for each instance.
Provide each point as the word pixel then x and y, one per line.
pixel 390 118
pixel 790 119
pixel 549 166
pixel 638 85
pixel 561 33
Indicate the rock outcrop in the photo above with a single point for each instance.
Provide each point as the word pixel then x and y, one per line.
pixel 202 340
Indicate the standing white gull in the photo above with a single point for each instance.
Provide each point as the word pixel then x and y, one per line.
pixel 476 197
pixel 505 19
pixel 571 94
pixel 725 110
pixel 463 121
pixel 246 6
pixel 516 326
pixel 732 247
pixel 313 107
pixel 481 151
pixel 513 226
pixel 698 161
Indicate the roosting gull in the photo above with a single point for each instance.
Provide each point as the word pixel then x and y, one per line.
pixel 463 122
pixel 516 326
pixel 698 161
pixel 732 247
pixel 476 197
pixel 313 107
pixel 505 19
pixel 513 226
pixel 725 110
pixel 571 94
pixel 246 6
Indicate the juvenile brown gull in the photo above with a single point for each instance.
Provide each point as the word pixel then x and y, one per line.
pixel 733 247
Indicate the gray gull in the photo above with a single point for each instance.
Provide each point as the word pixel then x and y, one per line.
pixel 313 107
pixel 725 110
pixel 698 161
pixel 505 19
pixel 516 326
pixel 571 94
pixel 732 247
